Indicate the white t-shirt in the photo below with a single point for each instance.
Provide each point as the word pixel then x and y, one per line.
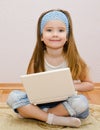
pixel 51 67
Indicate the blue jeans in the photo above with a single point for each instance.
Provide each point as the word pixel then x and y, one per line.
pixel 76 105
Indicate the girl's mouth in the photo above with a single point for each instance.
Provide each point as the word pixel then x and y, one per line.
pixel 54 40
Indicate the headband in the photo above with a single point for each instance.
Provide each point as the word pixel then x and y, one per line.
pixel 54 15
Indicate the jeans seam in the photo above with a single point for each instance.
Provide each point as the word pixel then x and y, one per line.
pixel 69 109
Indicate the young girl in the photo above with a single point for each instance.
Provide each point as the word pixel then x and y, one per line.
pixel 55 49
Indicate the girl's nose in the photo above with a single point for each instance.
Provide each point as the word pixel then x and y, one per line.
pixel 55 33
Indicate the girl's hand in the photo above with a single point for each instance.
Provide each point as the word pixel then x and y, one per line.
pixel 84 86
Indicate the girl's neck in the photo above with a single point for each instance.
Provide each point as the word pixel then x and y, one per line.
pixel 54 57
pixel 54 53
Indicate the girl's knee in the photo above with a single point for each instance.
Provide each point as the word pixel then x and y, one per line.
pixel 83 115
pixel 14 97
pixel 78 103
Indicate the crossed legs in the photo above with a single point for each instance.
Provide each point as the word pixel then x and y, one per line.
pixel 58 115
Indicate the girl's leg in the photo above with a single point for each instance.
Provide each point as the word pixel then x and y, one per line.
pixel 76 106
pixel 31 111
pixel 19 102
pixel 58 110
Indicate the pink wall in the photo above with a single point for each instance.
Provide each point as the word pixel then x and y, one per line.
pixel 18 31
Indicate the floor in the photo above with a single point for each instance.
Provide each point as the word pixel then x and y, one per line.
pixel 5 88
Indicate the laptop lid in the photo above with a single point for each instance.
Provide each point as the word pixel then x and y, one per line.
pixel 48 86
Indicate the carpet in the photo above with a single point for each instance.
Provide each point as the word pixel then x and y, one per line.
pixel 10 121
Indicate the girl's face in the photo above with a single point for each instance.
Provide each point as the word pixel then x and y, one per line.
pixel 54 34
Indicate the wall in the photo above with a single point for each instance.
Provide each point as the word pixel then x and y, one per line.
pixel 18 32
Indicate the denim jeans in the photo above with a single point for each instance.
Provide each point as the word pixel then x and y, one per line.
pixel 76 105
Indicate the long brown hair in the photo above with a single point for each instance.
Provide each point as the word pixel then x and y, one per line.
pixel 77 66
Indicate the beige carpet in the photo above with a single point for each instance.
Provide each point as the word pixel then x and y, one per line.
pixel 9 121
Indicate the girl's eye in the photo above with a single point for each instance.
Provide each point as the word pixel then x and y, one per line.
pixel 49 30
pixel 61 30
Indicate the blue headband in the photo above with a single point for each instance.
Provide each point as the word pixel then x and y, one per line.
pixel 54 15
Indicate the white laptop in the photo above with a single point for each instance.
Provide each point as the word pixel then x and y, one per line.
pixel 48 86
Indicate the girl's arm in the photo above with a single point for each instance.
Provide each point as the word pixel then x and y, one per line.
pixel 85 85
